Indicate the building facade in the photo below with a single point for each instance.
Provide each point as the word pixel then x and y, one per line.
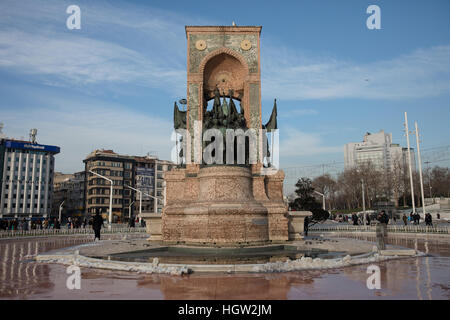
pixel 379 150
pixel 113 166
pixel 141 173
pixel 26 171
pixel 149 178
pixel 68 192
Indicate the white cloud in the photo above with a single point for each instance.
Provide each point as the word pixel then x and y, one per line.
pixel 295 143
pixel 422 73
pixel 79 60
pixel 116 44
pixel 82 126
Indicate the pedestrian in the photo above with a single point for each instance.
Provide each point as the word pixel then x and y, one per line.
pixel 405 219
pixel 97 224
pixel 24 225
pixel 438 216
pixel 132 222
pixel 57 224
pixel 381 231
pixel 305 226
pixel 428 219
pixel 355 219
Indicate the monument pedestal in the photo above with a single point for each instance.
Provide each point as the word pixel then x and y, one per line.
pixel 296 224
pixel 217 206
pixel 153 223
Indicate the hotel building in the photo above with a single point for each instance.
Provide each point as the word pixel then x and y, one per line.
pixel 26 172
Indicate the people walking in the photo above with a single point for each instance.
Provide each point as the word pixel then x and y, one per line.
pixel 417 218
pixel 381 230
pixel 355 219
pixel 97 224
pixel 428 219
pixel 305 226
pixel 405 219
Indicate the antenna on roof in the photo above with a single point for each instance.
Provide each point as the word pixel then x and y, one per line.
pixel 33 133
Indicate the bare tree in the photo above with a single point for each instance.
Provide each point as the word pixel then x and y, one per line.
pixel 326 185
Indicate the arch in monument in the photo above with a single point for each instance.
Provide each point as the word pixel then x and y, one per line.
pixel 225 69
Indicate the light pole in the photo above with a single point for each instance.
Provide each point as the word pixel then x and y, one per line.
pixel 323 198
pixel 154 197
pixel 409 161
pixel 429 180
pixel 60 209
pixel 363 201
pixel 140 199
pixel 129 210
pixel 420 168
pixel 110 196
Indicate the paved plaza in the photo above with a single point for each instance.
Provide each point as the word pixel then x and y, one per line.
pixel 408 278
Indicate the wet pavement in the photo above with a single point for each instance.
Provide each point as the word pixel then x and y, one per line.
pixel 411 278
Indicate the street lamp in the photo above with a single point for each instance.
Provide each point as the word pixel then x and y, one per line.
pixel 363 201
pixel 140 199
pixel 323 198
pixel 60 209
pixel 110 196
pixel 154 198
pixel 129 210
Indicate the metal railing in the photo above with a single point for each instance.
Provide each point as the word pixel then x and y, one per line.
pixel 65 231
pixel 390 228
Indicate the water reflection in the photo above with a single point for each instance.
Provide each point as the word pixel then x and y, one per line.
pixel 411 278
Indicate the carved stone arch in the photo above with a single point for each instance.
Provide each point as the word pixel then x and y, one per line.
pixel 219 51
pixel 225 69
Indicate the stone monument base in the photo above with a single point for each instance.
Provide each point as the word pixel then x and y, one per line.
pixel 222 205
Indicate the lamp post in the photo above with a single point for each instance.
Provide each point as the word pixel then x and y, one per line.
pixel 363 201
pixel 409 162
pixel 60 209
pixel 420 168
pixel 140 199
pixel 129 210
pixel 154 197
pixel 110 197
pixel 323 198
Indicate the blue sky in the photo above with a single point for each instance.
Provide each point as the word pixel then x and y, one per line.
pixel 112 84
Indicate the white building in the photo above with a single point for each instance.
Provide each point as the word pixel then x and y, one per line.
pixel 378 149
pixel 26 172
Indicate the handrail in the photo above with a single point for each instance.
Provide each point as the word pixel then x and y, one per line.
pixel 65 231
pixel 390 228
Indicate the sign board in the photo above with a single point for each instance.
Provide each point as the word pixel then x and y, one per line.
pixel 145 180
pixel 31 146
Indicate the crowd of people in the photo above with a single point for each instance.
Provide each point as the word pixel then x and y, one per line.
pixel 26 224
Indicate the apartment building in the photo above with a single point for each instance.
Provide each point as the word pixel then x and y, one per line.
pixel 26 172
